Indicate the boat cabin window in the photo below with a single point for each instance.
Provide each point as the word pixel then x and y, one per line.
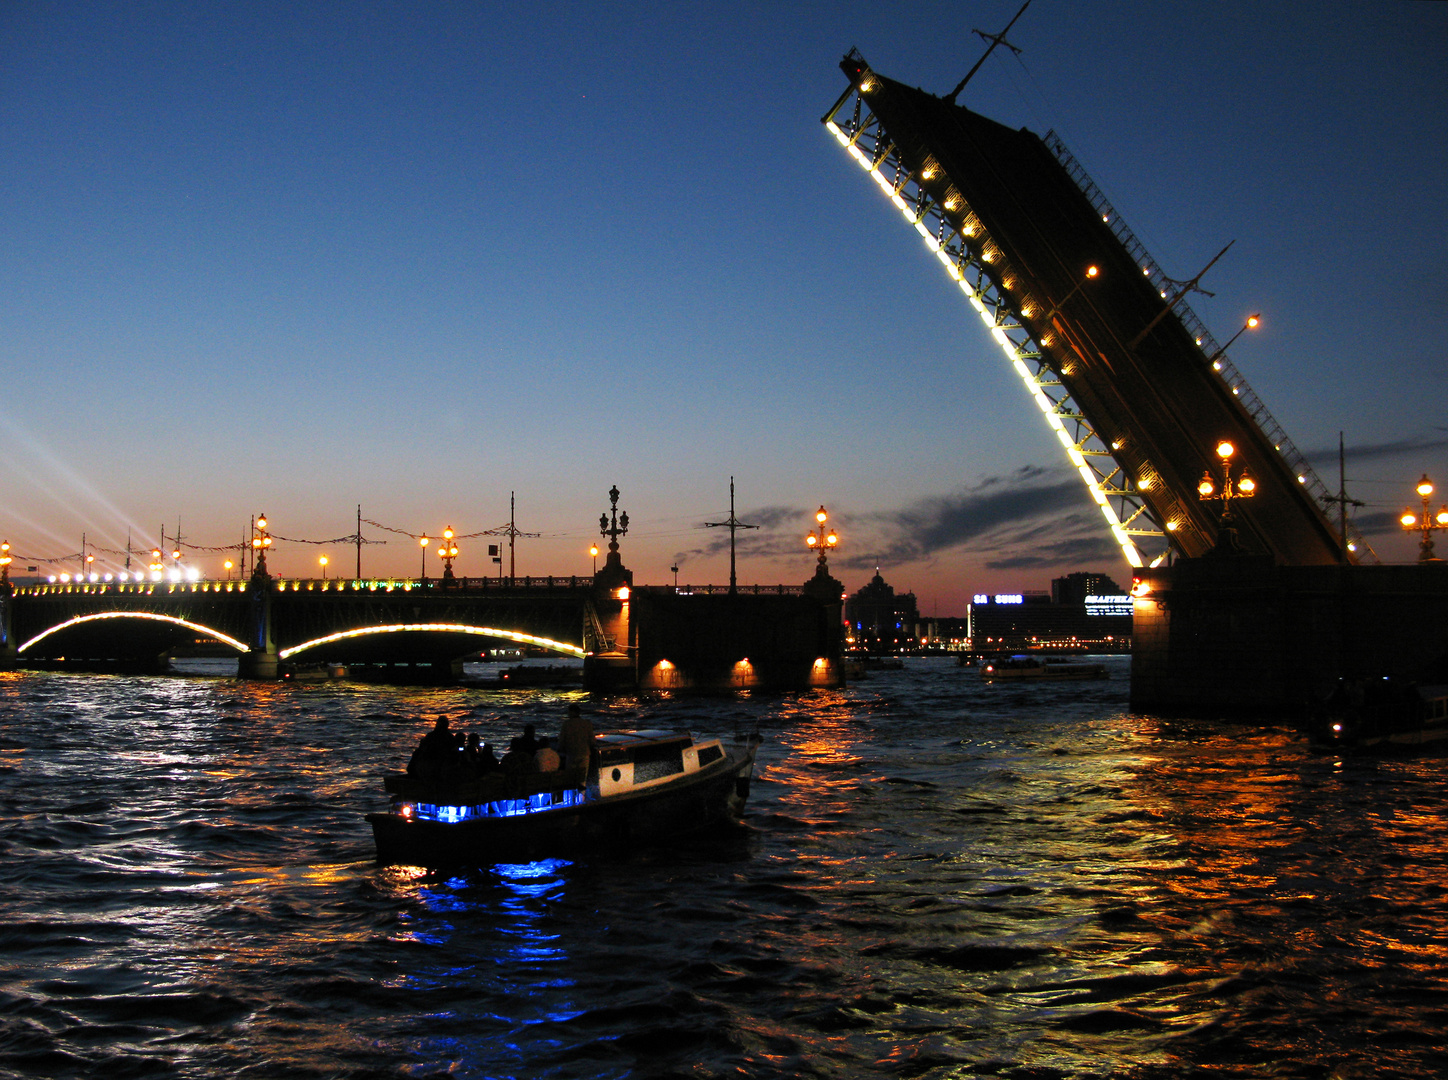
pixel 651 760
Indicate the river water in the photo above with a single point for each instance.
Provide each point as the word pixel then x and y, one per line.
pixel 935 878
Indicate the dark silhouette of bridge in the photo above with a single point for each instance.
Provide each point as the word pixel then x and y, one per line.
pixel 269 621
pixel 1136 389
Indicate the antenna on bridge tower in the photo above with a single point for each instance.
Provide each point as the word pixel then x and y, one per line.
pixel 994 39
pixel 733 524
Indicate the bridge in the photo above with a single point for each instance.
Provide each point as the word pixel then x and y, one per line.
pixel 1269 601
pixel 1135 388
pixel 270 621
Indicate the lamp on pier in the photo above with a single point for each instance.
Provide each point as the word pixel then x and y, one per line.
pixel 447 551
pixel 228 565
pixel 424 541
pixel 822 539
pixel 324 560
pixel 593 551
pixel 1425 521
pixel 1243 487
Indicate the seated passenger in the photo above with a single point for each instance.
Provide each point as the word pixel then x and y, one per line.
pixel 546 758
pixel 477 755
pixel 529 740
pixel 487 760
pixel 435 754
pixel 518 760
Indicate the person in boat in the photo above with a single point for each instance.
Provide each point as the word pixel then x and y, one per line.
pixel 547 758
pixel 530 739
pixel 517 759
pixel 576 739
pixel 478 755
pixel 436 754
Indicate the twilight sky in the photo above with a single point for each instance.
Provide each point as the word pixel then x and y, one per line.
pixel 293 257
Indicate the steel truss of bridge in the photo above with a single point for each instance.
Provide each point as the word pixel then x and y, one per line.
pixel 1135 388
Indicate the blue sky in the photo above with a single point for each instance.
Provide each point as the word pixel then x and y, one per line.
pixel 296 257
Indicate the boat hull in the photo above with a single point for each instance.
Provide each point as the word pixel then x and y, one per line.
pixel 702 800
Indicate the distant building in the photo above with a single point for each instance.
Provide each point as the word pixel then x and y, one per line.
pixel 1082 613
pixel 1075 588
pixel 880 621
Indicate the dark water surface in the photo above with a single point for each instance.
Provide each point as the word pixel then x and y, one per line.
pixel 936 878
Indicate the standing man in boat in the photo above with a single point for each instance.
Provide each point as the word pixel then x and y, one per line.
pixel 576 739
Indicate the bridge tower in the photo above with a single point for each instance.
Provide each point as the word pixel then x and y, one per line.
pixel 1133 385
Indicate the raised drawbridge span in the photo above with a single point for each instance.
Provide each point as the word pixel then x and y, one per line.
pixel 1135 388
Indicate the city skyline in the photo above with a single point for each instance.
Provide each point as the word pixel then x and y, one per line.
pixel 281 261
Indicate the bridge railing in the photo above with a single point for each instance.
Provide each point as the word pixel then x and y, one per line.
pixel 722 590
pixel 1151 269
pixel 284 584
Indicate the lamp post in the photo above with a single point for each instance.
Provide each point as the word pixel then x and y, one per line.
pixel 259 543
pixel 1244 488
pixel 228 565
pixel 447 551
pixel 1091 273
pixel 1250 324
pixel 822 540
pixel 1425 521
pixel 156 567
pixel 593 550
pixel 324 560
pixel 424 541
pixel 4 562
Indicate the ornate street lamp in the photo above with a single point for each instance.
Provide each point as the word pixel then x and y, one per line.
pixel 822 540
pixel 1243 488
pixel 1425 521
pixel 259 543
pixel 424 541
pixel 447 551
pixel 613 525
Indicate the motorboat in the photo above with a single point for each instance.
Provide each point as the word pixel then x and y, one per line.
pixel 1025 668
pixel 639 787
pixel 1381 714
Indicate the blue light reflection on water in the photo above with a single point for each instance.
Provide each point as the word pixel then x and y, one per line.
pixel 935 878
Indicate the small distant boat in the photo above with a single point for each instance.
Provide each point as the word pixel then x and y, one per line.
pixel 1025 668
pixel 640 787
pixel 1381 715
pixel 532 675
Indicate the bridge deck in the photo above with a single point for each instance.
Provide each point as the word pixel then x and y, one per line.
pixel 1158 403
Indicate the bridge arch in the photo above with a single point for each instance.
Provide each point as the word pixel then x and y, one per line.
pixel 563 647
pixel 195 627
